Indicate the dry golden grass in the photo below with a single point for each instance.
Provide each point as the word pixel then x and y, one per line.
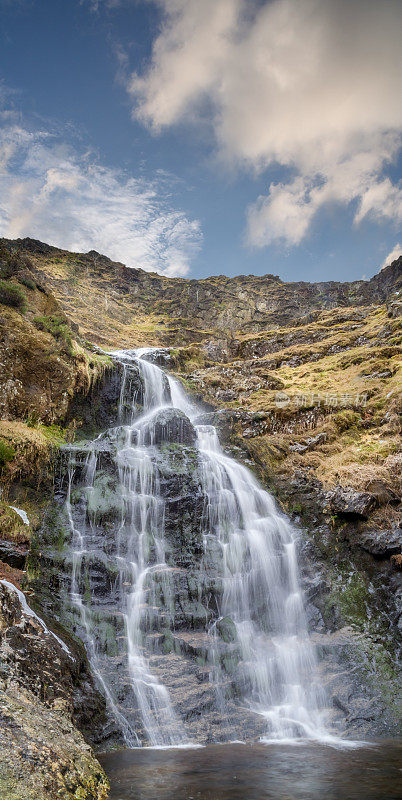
pixel 350 390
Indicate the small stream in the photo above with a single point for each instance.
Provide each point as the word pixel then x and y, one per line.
pixel 257 772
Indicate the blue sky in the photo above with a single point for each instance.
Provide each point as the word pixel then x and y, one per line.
pixel 205 137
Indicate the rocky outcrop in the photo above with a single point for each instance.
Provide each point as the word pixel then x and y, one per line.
pixel 45 691
pixel 348 503
pixel 43 364
pixel 382 544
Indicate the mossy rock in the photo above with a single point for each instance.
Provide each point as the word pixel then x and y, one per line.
pixel 227 630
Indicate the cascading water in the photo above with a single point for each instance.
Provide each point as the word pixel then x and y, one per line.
pixel 262 595
pixel 122 570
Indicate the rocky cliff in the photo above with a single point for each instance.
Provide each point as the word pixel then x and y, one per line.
pixel 117 306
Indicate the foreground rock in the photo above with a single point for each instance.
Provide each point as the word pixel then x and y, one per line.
pixel 45 690
pixel 42 755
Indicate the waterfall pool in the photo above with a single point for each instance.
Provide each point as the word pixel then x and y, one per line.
pixel 257 772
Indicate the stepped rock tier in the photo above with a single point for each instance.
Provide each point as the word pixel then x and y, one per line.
pixel 182 579
pixel 181 576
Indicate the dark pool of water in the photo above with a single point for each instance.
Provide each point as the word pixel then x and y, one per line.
pixel 257 772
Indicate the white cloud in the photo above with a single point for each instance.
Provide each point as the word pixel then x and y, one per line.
pixel 394 254
pixel 313 85
pixel 188 57
pixel 51 192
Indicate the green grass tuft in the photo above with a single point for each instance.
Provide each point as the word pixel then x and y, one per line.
pixel 7 453
pixel 57 327
pixel 12 295
pixel 28 282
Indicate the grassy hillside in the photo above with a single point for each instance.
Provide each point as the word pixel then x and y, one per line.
pixel 323 396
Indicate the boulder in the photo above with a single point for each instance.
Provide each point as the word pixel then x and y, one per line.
pixel 227 629
pixel 347 502
pixel 382 543
pixel 169 425
pixel 309 443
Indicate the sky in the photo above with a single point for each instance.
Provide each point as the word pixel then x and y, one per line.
pixel 205 137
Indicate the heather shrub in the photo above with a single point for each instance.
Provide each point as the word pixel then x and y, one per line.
pixel 12 295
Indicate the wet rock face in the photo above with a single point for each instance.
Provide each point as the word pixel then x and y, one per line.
pixel 183 599
pixel 178 469
pixel 350 619
pixel 13 553
pixel 35 660
pixel 97 409
pixel 382 544
pixel 161 357
pixel 169 425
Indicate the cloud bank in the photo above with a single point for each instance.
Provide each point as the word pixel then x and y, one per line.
pixel 311 85
pixel 55 193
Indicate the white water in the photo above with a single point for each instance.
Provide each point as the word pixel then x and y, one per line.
pixel 21 513
pixel 262 595
pixel 261 589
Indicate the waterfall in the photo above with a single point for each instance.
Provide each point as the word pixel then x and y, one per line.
pixel 122 573
pixel 262 595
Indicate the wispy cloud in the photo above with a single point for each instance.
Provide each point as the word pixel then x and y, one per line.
pixel 56 193
pixel 395 253
pixel 312 85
